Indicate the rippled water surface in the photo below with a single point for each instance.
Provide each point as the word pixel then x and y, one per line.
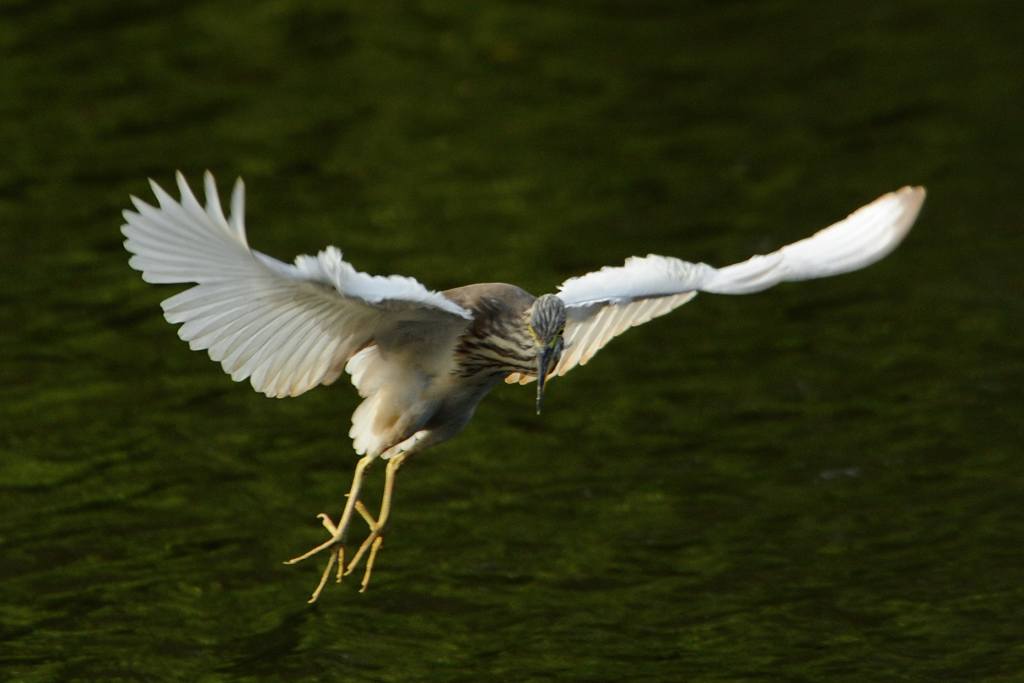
pixel 819 483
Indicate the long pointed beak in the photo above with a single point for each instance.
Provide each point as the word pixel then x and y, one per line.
pixel 542 373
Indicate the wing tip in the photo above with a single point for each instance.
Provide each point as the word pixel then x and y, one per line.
pixel 911 198
pixel 912 194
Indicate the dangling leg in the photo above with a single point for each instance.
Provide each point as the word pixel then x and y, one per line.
pixel 376 538
pixel 337 531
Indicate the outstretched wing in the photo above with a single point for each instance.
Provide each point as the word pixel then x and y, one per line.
pixel 288 328
pixel 604 304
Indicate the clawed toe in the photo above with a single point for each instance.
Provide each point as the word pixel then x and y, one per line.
pixel 338 556
pixel 334 539
pixel 328 524
pixel 373 542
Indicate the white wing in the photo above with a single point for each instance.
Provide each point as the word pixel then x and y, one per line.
pixel 604 304
pixel 286 327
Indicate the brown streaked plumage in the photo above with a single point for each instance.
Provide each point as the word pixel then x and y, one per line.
pixel 497 340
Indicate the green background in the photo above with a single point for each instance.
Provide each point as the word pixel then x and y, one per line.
pixel 819 483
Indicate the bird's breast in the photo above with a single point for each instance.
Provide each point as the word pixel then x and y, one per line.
pixel 493 355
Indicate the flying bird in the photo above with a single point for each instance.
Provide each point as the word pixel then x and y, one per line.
pixel 422 360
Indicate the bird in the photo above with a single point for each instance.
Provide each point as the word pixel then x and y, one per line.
pixel 421 359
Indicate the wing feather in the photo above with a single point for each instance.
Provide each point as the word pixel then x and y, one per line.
pixel 285 368
pixel 285 327
pixel 603 304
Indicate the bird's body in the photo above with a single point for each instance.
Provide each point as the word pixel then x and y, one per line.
pixel 428 382
pixel 422 361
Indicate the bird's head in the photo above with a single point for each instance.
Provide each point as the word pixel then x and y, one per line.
pixel 546 325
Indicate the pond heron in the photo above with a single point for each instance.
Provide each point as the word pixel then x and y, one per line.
pixel 422 360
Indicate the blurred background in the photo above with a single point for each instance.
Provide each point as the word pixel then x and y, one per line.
pixel 818 483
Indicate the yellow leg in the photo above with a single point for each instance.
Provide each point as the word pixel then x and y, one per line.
pixel 337 532
pixel 375 539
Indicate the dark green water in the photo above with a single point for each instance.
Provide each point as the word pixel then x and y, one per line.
pixel 819 483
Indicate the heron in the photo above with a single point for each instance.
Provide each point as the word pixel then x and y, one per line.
pixel 420 359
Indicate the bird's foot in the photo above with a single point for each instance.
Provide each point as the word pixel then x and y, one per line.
pixel 335 546
pixel 372 543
